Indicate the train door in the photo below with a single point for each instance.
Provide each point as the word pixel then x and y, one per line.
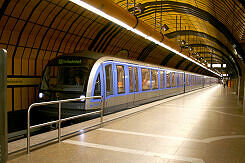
pixel 131 81
pixel 184 83
pixel 203 82
pixel 121 86
pixel 162 82
pixel 108 84
pixel 136 85
pixel 96 89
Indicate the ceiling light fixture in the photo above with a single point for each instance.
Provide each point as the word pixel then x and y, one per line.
pixel 183 42
pixel 190 48
pixel 140 8
pixel 165 27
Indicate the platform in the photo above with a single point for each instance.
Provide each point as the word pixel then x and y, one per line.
pixel 204 126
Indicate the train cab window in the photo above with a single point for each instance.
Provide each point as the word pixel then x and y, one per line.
pixel 131 79
pixel 145 79
pixel 50 77
pixel 161 79
pixel 136 86
pixel 154 79
pixel 173 80
pixel 97 88
pixel 120 79
pixel 109 80
pixel 168 75
pixel 181 79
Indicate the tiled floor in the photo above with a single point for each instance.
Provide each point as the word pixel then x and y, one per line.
pixel 206 126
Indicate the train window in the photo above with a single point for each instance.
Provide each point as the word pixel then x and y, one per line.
pixel 154 79
pixel 178 79
pixel 145 79
pixel 120 79
pixel 173 80
pixel 50 77
pixel 136 79
pixel 161 79
pixel 168 75
pixel 109 80
pixel 186 79
pixel 97 88
pixel 192 80
pixel 131 79
pixel 66 76
pixel 181 79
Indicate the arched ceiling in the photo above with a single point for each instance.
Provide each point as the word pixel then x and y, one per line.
pixel 33 32
pixel 216 23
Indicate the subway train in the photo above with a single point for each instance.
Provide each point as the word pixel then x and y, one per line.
pixel 123 83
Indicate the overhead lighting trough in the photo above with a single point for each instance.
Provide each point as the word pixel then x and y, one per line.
pixel 124 25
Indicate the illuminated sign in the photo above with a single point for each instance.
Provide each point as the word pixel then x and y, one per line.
pixel 63 61
pixel 217 65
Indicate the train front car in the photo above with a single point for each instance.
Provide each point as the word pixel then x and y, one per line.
pixel 66 77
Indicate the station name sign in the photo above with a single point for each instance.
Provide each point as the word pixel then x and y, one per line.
pixel 23 81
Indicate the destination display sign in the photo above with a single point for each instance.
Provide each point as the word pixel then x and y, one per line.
pixel 65 61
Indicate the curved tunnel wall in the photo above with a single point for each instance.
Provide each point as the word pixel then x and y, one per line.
pixel 33 32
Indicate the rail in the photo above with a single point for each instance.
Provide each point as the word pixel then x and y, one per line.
pixel 59 121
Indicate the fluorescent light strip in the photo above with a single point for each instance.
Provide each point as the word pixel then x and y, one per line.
pixel 96 11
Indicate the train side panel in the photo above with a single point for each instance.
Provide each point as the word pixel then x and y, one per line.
pixel 125 85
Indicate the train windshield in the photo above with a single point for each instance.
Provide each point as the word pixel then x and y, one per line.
pixel 70 76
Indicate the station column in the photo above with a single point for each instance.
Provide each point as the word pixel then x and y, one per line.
pixel 243 102
pixel 240 88
pixel 3 108
pixel 235 85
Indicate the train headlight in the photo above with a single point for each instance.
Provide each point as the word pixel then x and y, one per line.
pixel 40 95
pixel 82 96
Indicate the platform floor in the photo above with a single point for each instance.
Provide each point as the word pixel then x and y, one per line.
pixel 205 126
